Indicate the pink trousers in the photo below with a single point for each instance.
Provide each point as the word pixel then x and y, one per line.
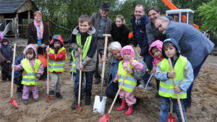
pixel 26 90
pixel 128 97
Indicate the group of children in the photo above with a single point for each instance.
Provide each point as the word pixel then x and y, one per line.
pixel 84 45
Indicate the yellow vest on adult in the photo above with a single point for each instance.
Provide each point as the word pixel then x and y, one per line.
pixel 86 46
pixel 30 77
pixel 73 60
pixel 56 66
pixel 129 82
pixel 167 87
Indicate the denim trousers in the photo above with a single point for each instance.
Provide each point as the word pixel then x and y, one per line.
pixel 89 80
pixel 165 109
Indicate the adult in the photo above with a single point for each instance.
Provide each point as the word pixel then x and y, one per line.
pixel 194 44
pixel 112 67
pixel 102 23
pixel 38 32
pixel 120 31
pixel 139 22
pixel 152 32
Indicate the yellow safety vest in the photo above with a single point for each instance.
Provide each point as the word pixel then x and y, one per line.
pixel 56 66
pixel 30 77
pixel 86 44
pixel 129 82
pixel 74 62
pixel 167 87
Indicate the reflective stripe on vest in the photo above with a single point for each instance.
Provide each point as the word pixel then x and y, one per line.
pixel 56 66
pixel 73 62
pixel 86 44
pixel 129 82
pixel 167 87
pixel 30 77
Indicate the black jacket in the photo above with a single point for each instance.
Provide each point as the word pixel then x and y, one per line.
pixel 120 34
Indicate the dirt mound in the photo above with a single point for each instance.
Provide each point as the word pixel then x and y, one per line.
pixel 204 105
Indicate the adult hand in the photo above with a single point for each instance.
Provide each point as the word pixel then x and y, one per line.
pixel 8 61
pixel 104 58
pixel 42 46
pixel 177 89
pixel 141 57
pixel 171 74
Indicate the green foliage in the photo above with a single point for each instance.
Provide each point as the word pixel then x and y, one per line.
pixel 208 14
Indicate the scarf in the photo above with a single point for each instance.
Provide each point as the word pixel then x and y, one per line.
pixel 41 29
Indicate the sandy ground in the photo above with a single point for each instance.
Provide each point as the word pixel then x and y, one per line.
pixel 203 109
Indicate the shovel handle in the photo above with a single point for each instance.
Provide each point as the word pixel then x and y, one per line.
pixel 48 78
pixel 12 78
pixel 178 99
pixel 80 73
pixel 149 80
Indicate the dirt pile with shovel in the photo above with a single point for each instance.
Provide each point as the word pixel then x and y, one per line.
pixel 204 106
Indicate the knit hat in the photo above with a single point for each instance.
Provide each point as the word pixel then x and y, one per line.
pixel 105 6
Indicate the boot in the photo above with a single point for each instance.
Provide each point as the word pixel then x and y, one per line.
pixel 123 106
pixel 129 111
pixel 74 104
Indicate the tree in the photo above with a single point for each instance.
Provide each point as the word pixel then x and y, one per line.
pixel 208 14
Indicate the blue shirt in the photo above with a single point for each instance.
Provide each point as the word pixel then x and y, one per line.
pixel 39 38
pixel 114 68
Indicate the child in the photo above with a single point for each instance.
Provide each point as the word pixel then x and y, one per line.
pixel 126 66
pixel 155 50
pixel 183 74
pixel 33 69
pixel 57 57
pixel 7 53
pixel 83 36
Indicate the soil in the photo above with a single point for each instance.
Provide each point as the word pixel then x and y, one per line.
pixel 203 109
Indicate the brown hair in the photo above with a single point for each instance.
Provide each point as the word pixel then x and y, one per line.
pixel 122 18
pixel 37 12
pixel 84 18
pixel 140 5
pixel 155 8
pixel 168 44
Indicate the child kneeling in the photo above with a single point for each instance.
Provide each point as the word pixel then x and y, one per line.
pixel 183 74
pixel 33 69
pixel 126 66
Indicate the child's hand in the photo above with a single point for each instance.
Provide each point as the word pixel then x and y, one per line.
pixel 38 75
pixel 104 58
pixel 115 81
pixel 8 61
pixel 171 74
pixel 81 67
pixel 80 51
pixel 13 66
pixel 48 50
pixel 129 70
pixel 177 89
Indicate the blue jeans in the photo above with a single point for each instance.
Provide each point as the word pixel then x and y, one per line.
pixel 187 102
pixel 111 89
pixel 165 109
pixel 89 80
pixel 148 61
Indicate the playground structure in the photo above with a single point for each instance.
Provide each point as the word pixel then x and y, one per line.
pixel 180 15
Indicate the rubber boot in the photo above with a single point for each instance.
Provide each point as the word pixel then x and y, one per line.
pixel 129 111
pixel 123 106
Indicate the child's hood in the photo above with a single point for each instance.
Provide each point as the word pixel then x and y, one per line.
pixel 3 40
pixel 57 37
pixel 128 48
pixel 158 44
pixel 30 46
pixel 172 40
pixel 91 30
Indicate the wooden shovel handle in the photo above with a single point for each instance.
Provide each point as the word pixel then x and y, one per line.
pixel 178 99
pixel 12 78
pixel 48 76
pixel 79 92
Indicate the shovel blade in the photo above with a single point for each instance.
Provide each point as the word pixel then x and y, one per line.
pixel 48 98
pixel 99 104
pixel 171 118
pixel 104 118
pixel 13 102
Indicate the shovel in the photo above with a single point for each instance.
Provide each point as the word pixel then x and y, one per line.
pixel 149 80
pixel 100 101
pixel 105 118
pixel 13 102
pixel 171 118
pixel 79 90
pixel 178 99
pixel 48 80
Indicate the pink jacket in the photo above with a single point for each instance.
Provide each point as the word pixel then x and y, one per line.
pixel 159 45
pixel 32 62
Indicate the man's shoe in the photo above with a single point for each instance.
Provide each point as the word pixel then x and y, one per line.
pixel 58 95
pixel 51 93
pixel 87 100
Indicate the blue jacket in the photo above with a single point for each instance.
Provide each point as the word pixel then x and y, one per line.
pixel 188 70
pixel 18 73
pixel 139 34
pixel 193 44
pixel 7 52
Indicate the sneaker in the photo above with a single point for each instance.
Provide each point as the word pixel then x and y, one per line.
pixel 25 102
pixel 87 100
pixel 58 95
pixel 51 93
